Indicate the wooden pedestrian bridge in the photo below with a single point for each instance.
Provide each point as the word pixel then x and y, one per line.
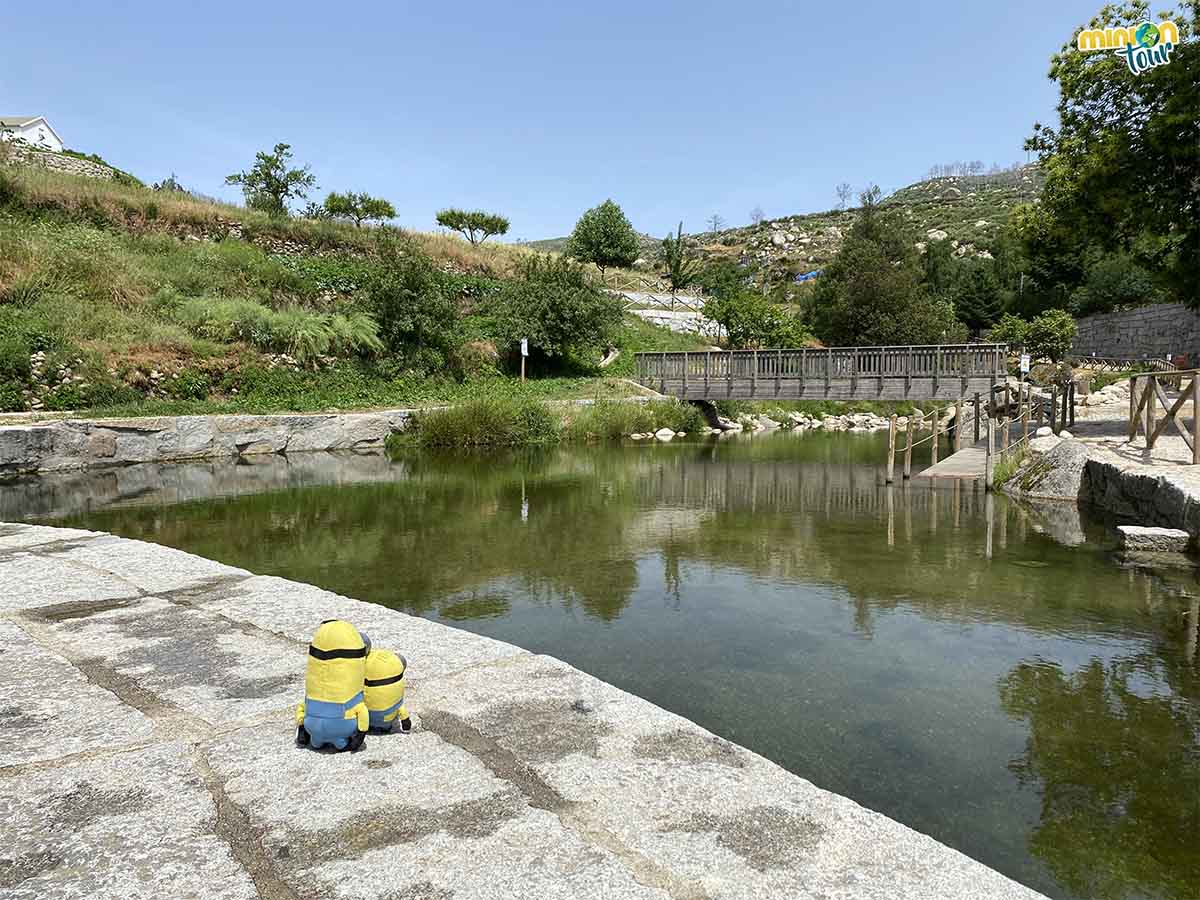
pixel 918 373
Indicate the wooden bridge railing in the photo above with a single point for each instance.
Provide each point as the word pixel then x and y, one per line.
pixel 934 361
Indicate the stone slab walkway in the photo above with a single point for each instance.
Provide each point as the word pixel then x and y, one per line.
pixel 146 750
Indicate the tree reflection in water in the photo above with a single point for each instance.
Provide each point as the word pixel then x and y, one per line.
pixel 1115 751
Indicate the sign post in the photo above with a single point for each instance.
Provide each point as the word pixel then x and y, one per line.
pixel 524 353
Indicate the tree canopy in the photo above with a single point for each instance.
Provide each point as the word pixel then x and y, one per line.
pixel 604 237
pixel 554 305
pixel 1123 167
pixel 681 270
pixel 874 290
pixel 271 182
pixel 358 207
pixel 475 225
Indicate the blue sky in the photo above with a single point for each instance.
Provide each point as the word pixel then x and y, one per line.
pixel 540 110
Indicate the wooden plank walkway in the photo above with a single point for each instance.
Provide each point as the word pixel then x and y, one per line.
pixel 968 463
pixel 936 372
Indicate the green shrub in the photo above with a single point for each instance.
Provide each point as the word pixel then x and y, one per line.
pixel 417 321
pixel 1011 330
pixel 556 307
pixel 488 422
pixel 753 321
pixel 611 420
pixel 1051 334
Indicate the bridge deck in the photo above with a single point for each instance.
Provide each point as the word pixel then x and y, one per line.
pixel 938 372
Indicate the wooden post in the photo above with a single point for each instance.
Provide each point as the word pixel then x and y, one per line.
pixel 977 417
pixel 1041 412
pixel 891 461
pixel 1025 421
pixel 989 464
pixel 933 440
pixel 958 424
pixel 1195 428
pixel 1054 426
pixel 1151 398
pixel 908 448
pixel 1004 436
pixel 1132 401
pixel 1071 405
pixel 522 367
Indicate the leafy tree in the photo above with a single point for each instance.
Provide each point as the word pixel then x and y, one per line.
pixel 270 183
pixel 418 321
pixel 721 278
pixel 1050 335
pixel 1011 330
pixel 475 225
pixel 557 308
pixel 1123 167
pixel 604 237
pixel 977 297
pixel 358 207
pixel 751 321
pixel 1113 281
pixel 941 269
pixel 681 270
pixel 873 292
pixel 757 215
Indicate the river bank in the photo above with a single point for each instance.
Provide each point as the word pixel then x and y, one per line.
pixel 175 749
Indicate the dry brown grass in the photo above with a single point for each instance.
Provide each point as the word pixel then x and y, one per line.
pixel 143 209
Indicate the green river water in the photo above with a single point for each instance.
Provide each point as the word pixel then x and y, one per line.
pixel 964 664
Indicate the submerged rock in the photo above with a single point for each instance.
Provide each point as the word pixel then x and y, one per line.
pixel 1154 540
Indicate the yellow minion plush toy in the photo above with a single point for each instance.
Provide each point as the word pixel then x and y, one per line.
pixel 333 712
pixel 384 691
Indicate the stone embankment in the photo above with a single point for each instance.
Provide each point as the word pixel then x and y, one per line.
pixel 147 702
pixel 77 444
pixel 1099 467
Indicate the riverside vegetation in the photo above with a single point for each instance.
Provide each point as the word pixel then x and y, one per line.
pixel 121 299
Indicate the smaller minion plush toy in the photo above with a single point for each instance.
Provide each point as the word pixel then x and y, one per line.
pixel 384 692
pixel 333 713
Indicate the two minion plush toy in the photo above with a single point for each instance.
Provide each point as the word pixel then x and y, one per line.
pixel 349 689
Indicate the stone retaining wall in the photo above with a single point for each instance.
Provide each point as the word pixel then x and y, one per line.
pixel 1160 330
pixel 74 444
pixel 60 162
pixel 1144 495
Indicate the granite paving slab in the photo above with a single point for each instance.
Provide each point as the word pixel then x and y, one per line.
pixel 147 750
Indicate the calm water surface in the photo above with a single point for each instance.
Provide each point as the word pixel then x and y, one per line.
pixel 960 663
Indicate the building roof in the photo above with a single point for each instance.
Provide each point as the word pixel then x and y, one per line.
pixel 18 121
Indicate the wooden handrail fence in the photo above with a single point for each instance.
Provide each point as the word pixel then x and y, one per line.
pixel 1145 391
pixel 1121 363
pixel 1000 441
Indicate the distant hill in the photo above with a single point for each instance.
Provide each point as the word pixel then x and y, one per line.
pixel 967 210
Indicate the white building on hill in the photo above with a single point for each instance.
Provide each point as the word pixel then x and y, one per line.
pixel 34 130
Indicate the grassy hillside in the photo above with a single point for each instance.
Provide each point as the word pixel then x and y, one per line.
pixel 969 209
pixel 117 297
